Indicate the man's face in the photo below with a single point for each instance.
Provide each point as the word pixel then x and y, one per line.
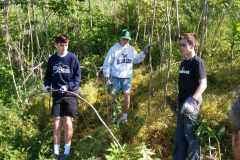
pixel 124 41
pixel 236 145
pixel 61 47
pixel 185 47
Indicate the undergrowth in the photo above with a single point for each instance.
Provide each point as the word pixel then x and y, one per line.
pixel 29 131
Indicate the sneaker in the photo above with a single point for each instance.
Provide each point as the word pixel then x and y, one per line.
pixel 65 157
pixel 124 120
pixel 56 156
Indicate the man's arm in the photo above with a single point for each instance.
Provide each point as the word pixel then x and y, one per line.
pixel 76 78
pixel 140 57
pixel 107 63
pixel 202 86
pixel 48 75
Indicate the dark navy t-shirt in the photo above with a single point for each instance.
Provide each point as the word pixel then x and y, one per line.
pixel 63 71
pixel 191 70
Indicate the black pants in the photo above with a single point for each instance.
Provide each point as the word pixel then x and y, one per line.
pixel 64 104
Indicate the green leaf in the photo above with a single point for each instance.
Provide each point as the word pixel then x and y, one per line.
pixel 211 132
pixel 209 148
pixel 150 153
pixel 238 29
pixel 214 122
pixel 204 121
pixel 115 152
pixel 112 145
pixel 116 145
pixel 109 149
pixel 115 114
pixel 221 132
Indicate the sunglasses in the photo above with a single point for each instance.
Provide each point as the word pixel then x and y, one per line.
pixel 182 44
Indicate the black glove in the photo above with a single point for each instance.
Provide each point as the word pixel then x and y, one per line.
pixel 145 49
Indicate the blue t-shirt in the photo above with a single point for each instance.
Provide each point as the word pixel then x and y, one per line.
pixel 63 71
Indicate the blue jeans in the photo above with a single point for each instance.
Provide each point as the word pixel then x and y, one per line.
pixel 120 84
pixel 185 139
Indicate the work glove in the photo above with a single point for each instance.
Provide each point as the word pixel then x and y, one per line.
pixel 145 49
pixel 46 89
pixel 189 106
pixel 108 82
pixel 63 88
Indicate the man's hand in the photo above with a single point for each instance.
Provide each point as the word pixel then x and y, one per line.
pixel 145 49
pixel 189 106
pixel 46 89
pixel 63 88
pixel 108 82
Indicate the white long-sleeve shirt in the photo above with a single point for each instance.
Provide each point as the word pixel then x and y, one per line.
pixel 119 61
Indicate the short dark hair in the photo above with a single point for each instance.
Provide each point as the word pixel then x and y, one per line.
pixel 190 37
pixel 235 115
pixel 62 38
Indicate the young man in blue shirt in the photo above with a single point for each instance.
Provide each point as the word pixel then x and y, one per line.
pixel 64 74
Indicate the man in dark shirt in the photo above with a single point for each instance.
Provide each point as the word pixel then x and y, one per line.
pixel 235 122
pixel 64 74
pixel 192 83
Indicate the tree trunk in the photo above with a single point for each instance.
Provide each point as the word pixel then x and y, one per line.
pixel 145 24
pixel 177 22
pixel 20 47
pixel 138 22
pixel 20 24
pixel 37 44
pixel 203 27
pixel 159 46
pixel 6 4
pixel 90 14
pixel 232 51
pixel 78 31
pixel 206 25
pixel 212 15
pixel 30 34
pixel 23 36
pixel 46 30
pixel 127 15
pixel 21 54
pixel 199 22
pixel 111 8
pixel 151 87
pixel 220 22
pixel 162 49
pixel 170 52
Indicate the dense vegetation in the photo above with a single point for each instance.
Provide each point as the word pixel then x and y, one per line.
pixel 27 31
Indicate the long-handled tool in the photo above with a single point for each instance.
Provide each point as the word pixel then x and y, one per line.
pixel 53 90
pixel 172 104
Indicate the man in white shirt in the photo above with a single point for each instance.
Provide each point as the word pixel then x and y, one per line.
pixel 118 69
